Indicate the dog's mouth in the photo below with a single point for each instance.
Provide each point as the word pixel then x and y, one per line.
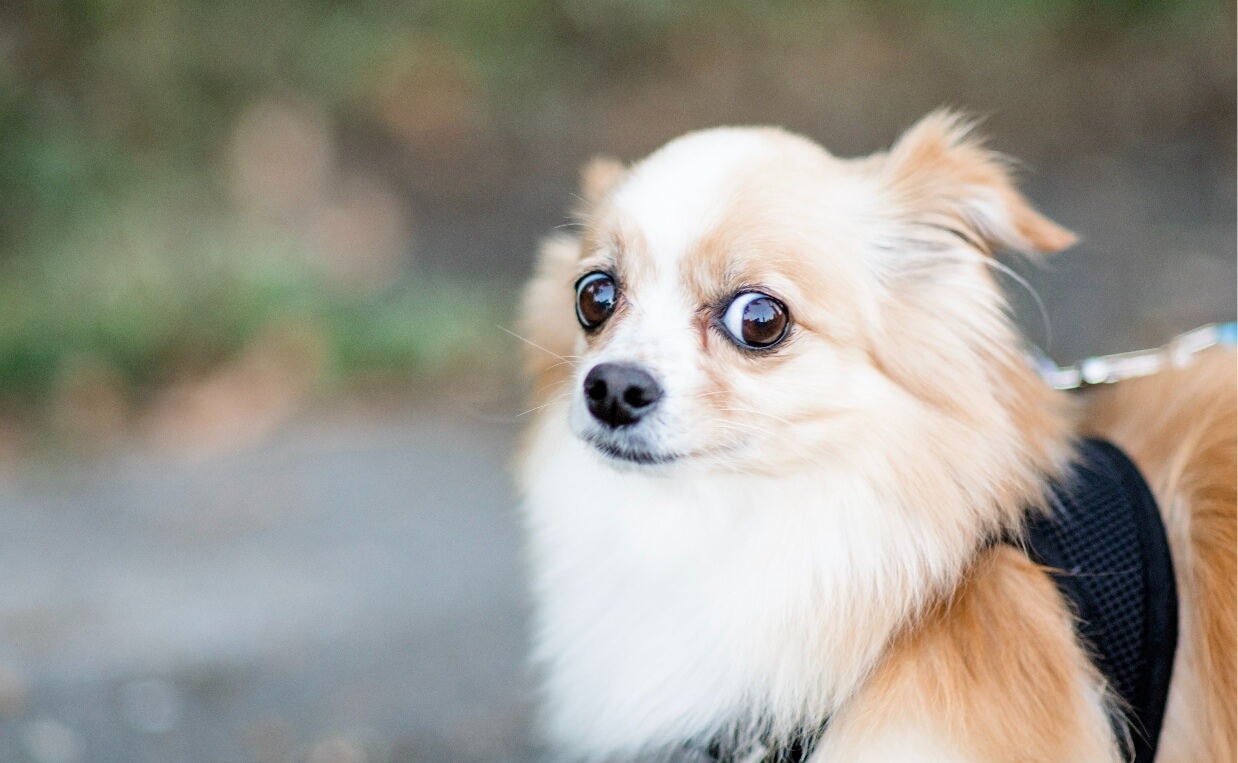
pixel 630 455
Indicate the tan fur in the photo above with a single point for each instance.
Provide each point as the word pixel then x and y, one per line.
pixel 941 180
pixel 549 340
pixel 1002 682
pixel 954 181
pixel 1179 427
pixel 599 176
pixel 983 656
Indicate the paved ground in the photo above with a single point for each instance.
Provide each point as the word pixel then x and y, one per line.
pixel 345 592
pixel 351 590
pixel 1156 251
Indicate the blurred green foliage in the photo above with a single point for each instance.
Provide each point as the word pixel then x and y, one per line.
pixel 100 96
pixel 115 243
pixel 152 321
pixel 114 116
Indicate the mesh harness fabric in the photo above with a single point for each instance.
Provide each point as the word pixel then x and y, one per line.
pixel 1105 542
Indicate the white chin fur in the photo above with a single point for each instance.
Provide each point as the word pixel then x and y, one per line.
pixel 665 609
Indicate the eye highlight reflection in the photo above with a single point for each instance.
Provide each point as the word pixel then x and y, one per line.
pixel 596 297
pixel 756 321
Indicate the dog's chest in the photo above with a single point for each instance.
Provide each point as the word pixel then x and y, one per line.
pixel 666 611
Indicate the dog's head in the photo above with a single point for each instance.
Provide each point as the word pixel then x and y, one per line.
pixel 743 300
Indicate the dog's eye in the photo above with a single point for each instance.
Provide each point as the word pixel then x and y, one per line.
pixel 596 295
pixel 756 320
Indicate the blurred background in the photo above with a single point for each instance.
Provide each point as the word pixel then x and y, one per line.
pixel 256 403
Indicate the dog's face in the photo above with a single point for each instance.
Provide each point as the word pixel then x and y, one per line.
pixel 721 303
pixel 742 300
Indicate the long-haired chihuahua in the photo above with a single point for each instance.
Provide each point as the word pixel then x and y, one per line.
pixel 787 441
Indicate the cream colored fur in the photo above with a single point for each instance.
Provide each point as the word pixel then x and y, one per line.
pixel 816 541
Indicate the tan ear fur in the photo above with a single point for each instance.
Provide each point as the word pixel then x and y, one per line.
pixel 546 326
pixel 599 175
pixel 546 323
pixel 942 174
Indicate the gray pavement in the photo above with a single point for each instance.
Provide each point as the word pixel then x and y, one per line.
pixel 348 591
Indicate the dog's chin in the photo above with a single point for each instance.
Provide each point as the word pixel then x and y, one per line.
pixel 635 457
pixel 627 457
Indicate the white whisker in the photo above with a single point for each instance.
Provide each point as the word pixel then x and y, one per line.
pixel 570 360
pixel 736 409
pixel 544 405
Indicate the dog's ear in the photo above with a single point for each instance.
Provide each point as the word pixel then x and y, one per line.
pixel 599 175
pixel 547 326
pixel 940 174
pixel 546 323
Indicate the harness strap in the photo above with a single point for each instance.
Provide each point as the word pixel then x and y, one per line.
pixel 795 750
pixel 1106 544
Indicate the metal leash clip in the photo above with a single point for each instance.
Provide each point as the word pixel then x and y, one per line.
pixel 1107 369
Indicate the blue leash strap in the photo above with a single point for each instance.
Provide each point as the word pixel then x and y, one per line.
pixel 1107 369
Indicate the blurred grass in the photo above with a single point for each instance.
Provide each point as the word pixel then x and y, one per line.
pixel 152 326
pixel 150 320
pixel 96 96
pixel 117 234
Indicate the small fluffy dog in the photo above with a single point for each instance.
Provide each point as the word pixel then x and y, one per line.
pixel 782 413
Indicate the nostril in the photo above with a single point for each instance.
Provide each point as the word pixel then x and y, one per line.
pixel 596 390
pixel 635 397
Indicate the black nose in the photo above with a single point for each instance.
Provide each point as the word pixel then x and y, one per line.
pixel 620 393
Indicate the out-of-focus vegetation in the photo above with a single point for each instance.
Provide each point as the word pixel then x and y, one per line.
pixel 152 322
pixel 102 97
pixel 176 183
pixel 138 248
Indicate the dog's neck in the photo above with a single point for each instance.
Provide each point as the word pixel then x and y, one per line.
pixel 679 609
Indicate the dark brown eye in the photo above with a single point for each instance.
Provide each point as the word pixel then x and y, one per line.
pixel 755 320
pixel 596 295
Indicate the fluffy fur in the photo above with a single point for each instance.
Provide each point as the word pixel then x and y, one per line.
pixel 812 546
pixel 1179 428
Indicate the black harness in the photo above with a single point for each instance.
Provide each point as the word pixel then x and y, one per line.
pixel 1105 542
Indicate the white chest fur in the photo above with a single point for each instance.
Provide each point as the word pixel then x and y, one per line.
pixel 667 608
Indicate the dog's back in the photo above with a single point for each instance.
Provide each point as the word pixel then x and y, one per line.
pixel 1181 428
